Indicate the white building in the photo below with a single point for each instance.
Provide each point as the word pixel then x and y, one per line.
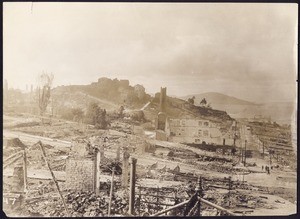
pixel 193 131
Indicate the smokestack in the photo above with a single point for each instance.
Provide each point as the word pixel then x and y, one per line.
pixel 163 98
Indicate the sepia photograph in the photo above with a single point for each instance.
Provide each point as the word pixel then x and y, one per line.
pixel 149 109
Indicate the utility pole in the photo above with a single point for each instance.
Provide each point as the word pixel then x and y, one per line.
pixel 263 149
pixel 245 152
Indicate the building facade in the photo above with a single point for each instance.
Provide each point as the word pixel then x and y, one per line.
pixel 193 131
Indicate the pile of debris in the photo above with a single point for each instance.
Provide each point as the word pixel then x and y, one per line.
pixel 214 158
pixel 87 204
pixel 79 204
pixel 46 205
pixel 224 168
pixel 235 199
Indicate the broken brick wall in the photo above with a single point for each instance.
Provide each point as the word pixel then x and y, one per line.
pixel 80 174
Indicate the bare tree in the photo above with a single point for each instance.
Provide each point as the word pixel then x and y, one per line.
pixel 45 82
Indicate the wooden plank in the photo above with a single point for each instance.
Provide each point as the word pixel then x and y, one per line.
pixel 13 161
pixel 169 209
pixel 25 170
pixel 160 196
pixel 98 171
pixel 165 188
pixel 281 148
pixel 53 177
pixel 218 187
pixel 111 190
pixel 11 156
pixel 156 203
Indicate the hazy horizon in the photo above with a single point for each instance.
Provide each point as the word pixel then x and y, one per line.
pixel 247 51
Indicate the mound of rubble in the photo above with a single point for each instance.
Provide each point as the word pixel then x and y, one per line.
pixel 79 204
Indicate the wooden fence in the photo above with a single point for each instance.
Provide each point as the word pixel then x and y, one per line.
pixel 160 201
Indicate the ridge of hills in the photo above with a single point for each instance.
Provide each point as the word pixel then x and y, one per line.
pixel 281 112
pixel 218 98
pixel 111 94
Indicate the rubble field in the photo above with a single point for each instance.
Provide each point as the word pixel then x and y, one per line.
pixel 166 178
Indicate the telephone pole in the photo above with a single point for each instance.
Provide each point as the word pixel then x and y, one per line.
pixel 245 153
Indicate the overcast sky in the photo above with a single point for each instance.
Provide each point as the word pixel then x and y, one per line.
pixel 244 50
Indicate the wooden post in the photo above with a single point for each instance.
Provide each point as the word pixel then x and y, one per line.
pixel 25 170
pixel 229 189
pixel 199 191
pixel 174 212
pixel 111 191
pixel 132 185
pixel 140 197
pixel 125 168
pixel 157 197
pixel 242 154
pixel 101 152
pixel 98 171
pixel 263 150
pixel 245 152
pixel 53 177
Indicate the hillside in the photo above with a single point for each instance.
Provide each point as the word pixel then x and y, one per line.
pixel 109 94
pixel 215 98
pixel 281 112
